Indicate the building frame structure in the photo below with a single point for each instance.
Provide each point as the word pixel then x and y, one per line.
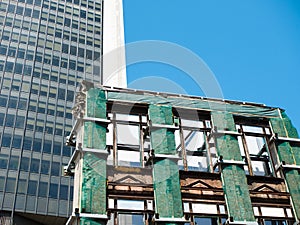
pixel 155 158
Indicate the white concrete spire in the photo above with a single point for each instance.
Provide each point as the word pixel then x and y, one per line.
pixel 114 63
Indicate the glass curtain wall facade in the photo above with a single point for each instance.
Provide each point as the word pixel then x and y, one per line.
pixel 46 46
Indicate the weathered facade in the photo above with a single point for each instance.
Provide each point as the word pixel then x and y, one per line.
pixel 151 158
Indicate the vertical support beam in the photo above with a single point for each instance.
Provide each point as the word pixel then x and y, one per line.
pixel 233 176
pixel 93 196
pixel 288 154
pixel 183 149
pixel 166 181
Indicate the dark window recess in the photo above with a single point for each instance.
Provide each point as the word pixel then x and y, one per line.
pixel 12 103
pixel 45 75
pixel 2 179
pixel 60 113
pixel 20 121
pixel 9 67
pixel 49 130
pixel 55 61
pixel 50 111
pixel 61 93
pixel 24 164
pixel 80 68
pixel 89 54
pixel 1 118
pixel 37 145
pixel 53 190
pixel 3 161
pixel 11 8
pixel 66 151
pixel 12 52
pixel 10 185
pixel 10 119
pixel 58 34
pixel 36 14
pixel 36 74
pixel 47 146
pixel 58 131
pixel 81 52
pixel 69 115
pixel 73 50
pixel 55 169
pixel 72 65
pixel 3 50
pixel 28 12
pixel 71 193
pixel 63 193
pixel 32 186
pixel 67 22
pixel 43 189
pixel 27 70
pixel 20 10
pixel 22 104
pixel 6 139
pixel 17 140
pixel 65 48
pixel 21 53
pixel 83 14
pixel 3 101
pixel 13 163
pixel 22 184
pixel 57 148
pixel 45 167
pixel 18 68
pixel 27 143
pixel 35 165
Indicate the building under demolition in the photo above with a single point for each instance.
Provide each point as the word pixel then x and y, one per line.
pixel 152 158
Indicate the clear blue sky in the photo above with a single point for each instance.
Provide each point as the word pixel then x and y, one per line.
pixel 251 46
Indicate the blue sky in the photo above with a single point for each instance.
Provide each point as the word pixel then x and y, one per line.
pixel 251 46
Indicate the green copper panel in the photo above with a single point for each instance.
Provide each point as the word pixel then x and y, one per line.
pixel 231 144
pixel 161 114
pixel 237 193
pixel 223 121
pixel 94 135
pixel 96 103
pixel 94 184
pixel 167 189
pixel 194 103
pixel 166 182
pixel 290 154
pixel 233 176
pixel 293 181
pixel 163 141
pixel 227 145
pixel 291 130
pixel 89 221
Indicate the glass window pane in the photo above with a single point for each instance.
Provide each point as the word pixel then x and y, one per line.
pixel 55 169
pixel 17 141
pixel 22 184
pixel 24 163
pixel 10 185
pixel 6 139
pixel 13 162
pixel 32 186
pixel 3 161
pixel 43 189
pixel 45 167
pixel 35 165
pixel 63 193
pixel 53 190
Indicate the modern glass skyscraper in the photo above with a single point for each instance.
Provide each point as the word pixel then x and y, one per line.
pixel 46 47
